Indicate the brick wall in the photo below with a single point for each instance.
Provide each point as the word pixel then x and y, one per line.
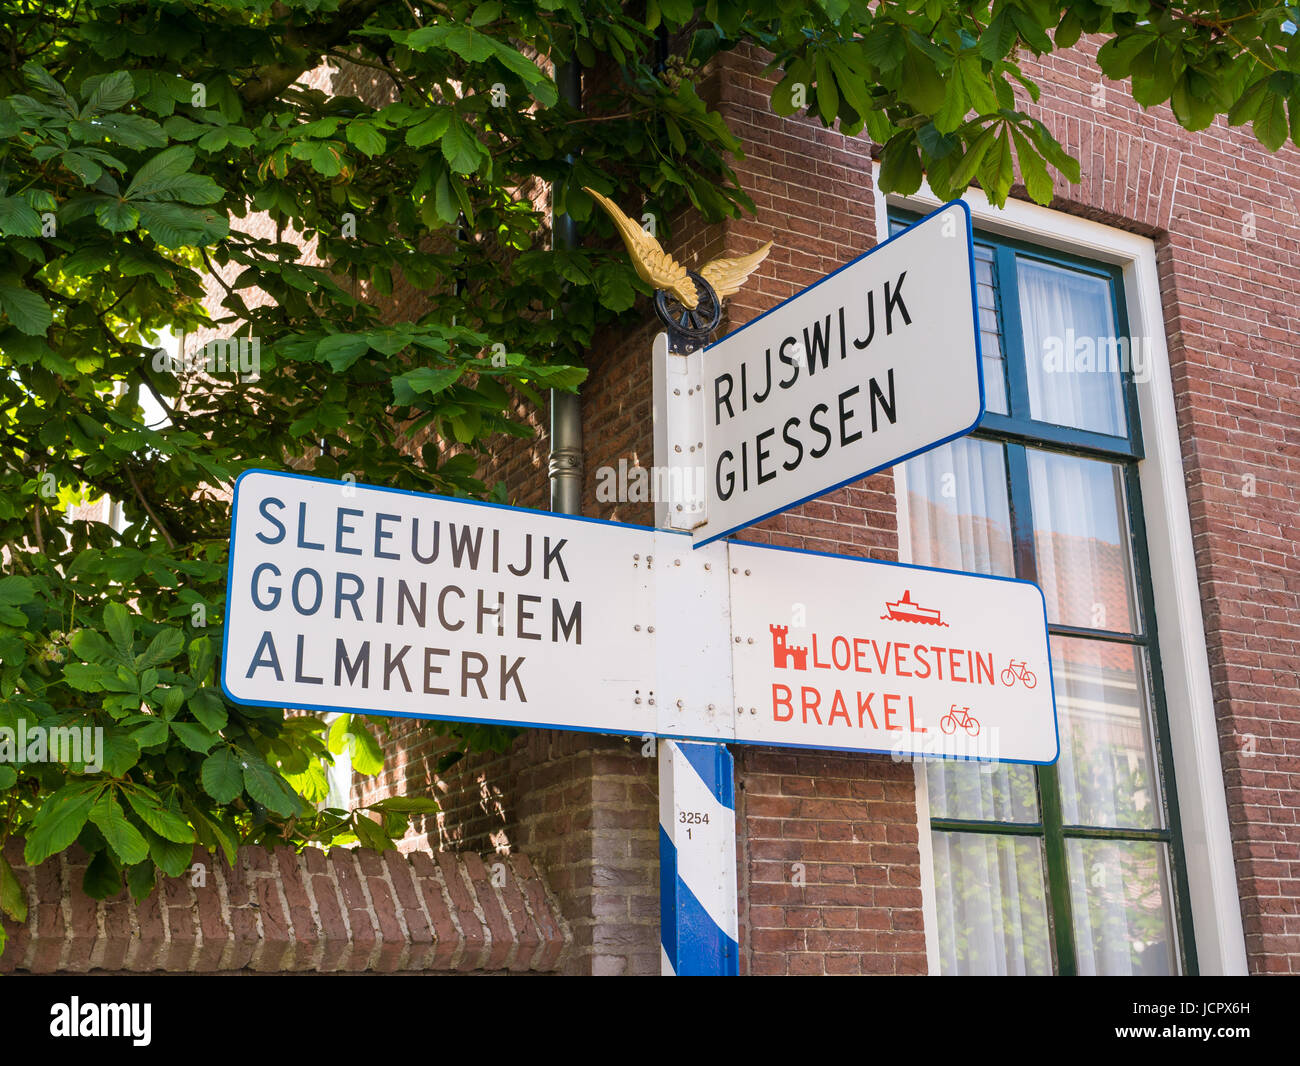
pixel 1225 215
pixel 276 912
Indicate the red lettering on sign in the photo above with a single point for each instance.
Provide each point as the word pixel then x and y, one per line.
pixel 859 654
pixel 817 663
pixel 782 701
pixel 838 708
pixel 864 707
pixel 810 705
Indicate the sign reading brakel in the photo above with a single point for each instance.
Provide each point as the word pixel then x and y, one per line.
pixel 348 597
pixel 876 362
pixel 831 652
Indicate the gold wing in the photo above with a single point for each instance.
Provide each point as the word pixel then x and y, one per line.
pixel 728 275
pixel 654 266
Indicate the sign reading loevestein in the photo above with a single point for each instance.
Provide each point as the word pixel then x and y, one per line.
pixel 889 658
pixel 876 362
pixel 348 597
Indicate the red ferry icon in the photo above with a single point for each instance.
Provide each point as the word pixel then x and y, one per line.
pixel 905 610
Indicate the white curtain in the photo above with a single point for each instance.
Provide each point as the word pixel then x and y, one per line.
pixel 958 510
pixel 991 903
pixel 1081 541
pixel 1069 333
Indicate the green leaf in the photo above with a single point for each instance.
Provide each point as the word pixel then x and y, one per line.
pixel 922 87
pixel 121 628
pixel 169 824
pixel 18 218
pixel 1038 183
pixel 102 879
pixel 207 707
pixel 117 216
pixel 8 776
pixel 1069 30
pixel 194 737
pixel 59 821
pixel 341 350
pixel 423 381
pixel 267 787
pixel 407 805
pixel 166 644
pixel 1270 125
pixel 222 775
pixel 124 838
pixel 998 36
pixel 371 835
pixel 13 900
pixel 900 168
pixel 170 856
pixel 113 92
pixel 27 310
pixel 366 138
pixel 429 129
pixel 141 878
pixel 461 148
pixel 367 755
pixel 15 590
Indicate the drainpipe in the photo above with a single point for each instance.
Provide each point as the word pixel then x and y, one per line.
pixel 565 467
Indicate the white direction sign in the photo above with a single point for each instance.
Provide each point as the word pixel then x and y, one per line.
pixel 832 652
pixel 350 597
pixel 344 596
pixel 872 364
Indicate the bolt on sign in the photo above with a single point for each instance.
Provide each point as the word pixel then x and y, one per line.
pixel 350 597
pixel 876 362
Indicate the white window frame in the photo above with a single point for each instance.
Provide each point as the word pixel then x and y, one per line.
pixel 1194 737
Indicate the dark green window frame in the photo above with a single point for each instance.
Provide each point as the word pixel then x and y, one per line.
pixel 1015 431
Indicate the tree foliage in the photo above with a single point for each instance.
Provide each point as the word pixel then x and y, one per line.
pixel 359 189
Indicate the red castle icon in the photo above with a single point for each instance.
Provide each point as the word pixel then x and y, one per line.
pixel 782 654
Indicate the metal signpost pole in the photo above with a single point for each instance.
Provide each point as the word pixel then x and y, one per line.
pixel 697 808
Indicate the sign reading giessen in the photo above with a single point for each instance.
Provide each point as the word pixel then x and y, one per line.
pixel 872 364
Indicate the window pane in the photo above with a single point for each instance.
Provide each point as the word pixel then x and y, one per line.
pixel 992 904
pixel 988 792
pixel 995 368
pixel 1081 541
pixel 1107 765
pixel 957 508
pixel 1119 890
pixel 1068 322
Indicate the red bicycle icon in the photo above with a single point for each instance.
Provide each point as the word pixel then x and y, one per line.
pixel 954 718
pixel 1019 671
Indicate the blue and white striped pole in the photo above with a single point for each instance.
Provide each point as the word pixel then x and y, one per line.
pixel 697 860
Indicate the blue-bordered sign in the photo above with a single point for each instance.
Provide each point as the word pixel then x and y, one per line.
pixel 349 597
pixel 876 362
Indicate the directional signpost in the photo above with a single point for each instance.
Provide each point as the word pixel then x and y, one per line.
pixel 876 362
pixel 365 599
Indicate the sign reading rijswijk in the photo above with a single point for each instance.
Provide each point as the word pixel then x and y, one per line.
pixel 872 364
pixel 347 597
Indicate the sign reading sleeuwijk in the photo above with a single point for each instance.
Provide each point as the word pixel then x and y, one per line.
pixel 350 597
pixel 876 362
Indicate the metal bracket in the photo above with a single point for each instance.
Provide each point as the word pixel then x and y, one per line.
pixel 692 639
pixel 680 480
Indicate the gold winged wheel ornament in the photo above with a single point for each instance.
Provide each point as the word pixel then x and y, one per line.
pixel 688 303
